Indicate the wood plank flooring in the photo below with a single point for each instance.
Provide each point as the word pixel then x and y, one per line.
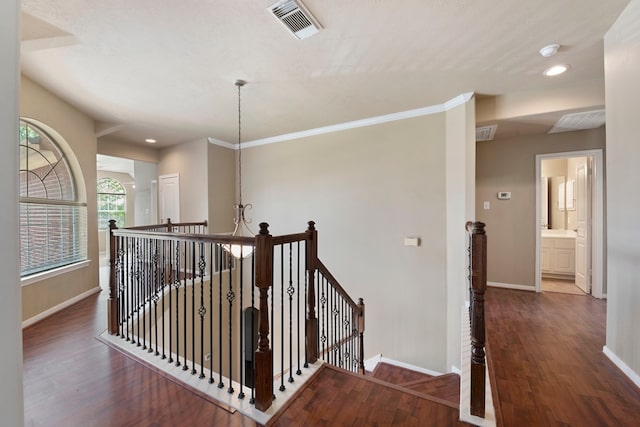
pixel 545 351
pixel 71 379
pixel 548 368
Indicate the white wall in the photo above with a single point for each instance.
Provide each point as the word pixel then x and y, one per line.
pixel 622 68
pixel 11 402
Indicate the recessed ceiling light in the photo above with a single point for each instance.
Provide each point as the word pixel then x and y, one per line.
pixel 555 70
pixel 150 140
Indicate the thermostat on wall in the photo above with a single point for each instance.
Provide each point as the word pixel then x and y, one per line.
pixel 504 195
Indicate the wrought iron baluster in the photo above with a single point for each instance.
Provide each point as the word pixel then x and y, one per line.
pixel 183 273
pixel 220 382
pixel 163 289
pixel 177 286
pixel 323 301
pixel 290 291
pixel 193 307
pixel 230 297
pixel 202 311
pixel 171 285
pixel 282 387
pixel 138 292
pixel 306 296
pixel 242 337
pixel 156 289
pixel 214 247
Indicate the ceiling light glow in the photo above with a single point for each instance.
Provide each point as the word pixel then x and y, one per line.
pixel 150 140
pixel 555 70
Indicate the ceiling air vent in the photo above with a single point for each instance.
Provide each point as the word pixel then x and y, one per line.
pixel 579 121
pixel 486 133
pixel 296 18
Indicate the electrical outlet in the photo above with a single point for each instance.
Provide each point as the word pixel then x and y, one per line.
pixel 207 357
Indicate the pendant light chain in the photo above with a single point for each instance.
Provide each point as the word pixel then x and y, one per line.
pixel 239 84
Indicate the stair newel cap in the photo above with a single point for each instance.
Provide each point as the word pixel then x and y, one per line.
pixel 312 226
pixel 264 229
pixel 112 224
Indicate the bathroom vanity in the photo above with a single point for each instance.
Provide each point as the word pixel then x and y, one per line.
pixel 558 254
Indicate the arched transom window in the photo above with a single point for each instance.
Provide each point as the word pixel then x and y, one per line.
pixel 53 229
pixel 112 200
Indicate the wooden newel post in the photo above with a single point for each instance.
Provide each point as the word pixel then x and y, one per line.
pixel 478 286
pixel 263 354
pixel 361 336
pixel 311 322
pixel 169 226
pixel 112 301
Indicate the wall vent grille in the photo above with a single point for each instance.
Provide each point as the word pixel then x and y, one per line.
pixel 486 133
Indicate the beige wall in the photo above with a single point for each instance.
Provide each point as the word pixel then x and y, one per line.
pixel 11 401
pixel 222 197
pixel 367 189
pixel 190 161
pixel 622 68
pixel 77 129
pixel 460 208
pixel 509 165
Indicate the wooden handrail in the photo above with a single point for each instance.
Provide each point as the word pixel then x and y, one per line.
pixel 478 247
pixel 334 283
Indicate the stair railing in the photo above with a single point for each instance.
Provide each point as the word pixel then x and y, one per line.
pixel 478 285
pixel 176 292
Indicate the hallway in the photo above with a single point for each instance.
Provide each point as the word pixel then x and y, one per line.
pixel 546 359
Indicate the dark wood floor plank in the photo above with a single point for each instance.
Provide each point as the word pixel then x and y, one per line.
pixel 545 352
pixel 396 374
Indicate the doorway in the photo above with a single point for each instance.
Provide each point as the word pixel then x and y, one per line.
pixel 570 230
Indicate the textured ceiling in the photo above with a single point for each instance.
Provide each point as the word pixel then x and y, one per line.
pixel 166 69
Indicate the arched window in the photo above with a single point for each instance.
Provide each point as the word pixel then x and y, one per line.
pixel 112 199
pixel 53 221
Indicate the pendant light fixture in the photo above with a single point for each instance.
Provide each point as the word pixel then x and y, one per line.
pixel 241 223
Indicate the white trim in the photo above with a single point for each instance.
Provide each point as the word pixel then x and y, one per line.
pixel 38 277
pixel 511 286
pixel 410 367
pixel 424 111
pixel 597 239
pixel 59 307
pixel 622 366
pixel 370 364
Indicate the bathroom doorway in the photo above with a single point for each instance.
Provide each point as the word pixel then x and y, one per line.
pixel 570 230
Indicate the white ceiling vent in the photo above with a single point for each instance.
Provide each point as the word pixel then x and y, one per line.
pixel 486 133
pixel 579 121
pixel 293 15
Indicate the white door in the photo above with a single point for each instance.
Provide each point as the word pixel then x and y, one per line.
pixel 169 192
pixel 583 225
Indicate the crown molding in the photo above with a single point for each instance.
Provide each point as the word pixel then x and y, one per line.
pixel 424 111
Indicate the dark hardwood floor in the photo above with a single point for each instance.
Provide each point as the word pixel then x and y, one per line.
pixel 71 379
pixel 545 351
pixel 547 364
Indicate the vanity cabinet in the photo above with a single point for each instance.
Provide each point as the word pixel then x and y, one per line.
pixel 558 257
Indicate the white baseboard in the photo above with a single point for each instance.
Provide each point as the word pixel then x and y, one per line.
pixel 512 286
pixel 370 364
pixel 59 307
pixel 409 366
pixel 622 366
